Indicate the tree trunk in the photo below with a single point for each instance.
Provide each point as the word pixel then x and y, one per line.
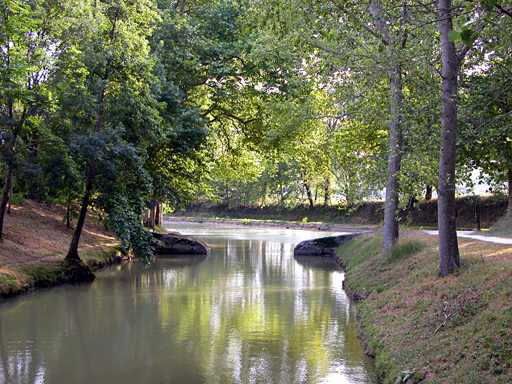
pixel 159 220
pixel 478 216
pixel 5 196
pixel 327 194
pixel 428 193
pixel 68 211
pixel 73 248
pixel 308 193
pixel 182 6
pixel 449 258
pixel 394 72
pixel 509 177
pixel 11 190
pixel 391 231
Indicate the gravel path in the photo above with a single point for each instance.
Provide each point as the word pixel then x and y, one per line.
pixel 471 235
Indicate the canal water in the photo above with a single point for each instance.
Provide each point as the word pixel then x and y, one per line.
pixel 248 313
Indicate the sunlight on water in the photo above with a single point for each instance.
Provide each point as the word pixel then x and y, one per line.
pixel 248 313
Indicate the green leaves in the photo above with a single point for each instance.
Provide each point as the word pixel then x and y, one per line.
pixel 466 35
pixel 488 5
pixel 453 35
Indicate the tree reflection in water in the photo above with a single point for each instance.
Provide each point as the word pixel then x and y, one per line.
pixel 248 313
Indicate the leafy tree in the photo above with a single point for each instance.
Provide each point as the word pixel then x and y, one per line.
pixel 104 74
pixel 26 61
pixel 486 142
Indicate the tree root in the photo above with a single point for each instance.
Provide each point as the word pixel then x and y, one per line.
pixel 78 272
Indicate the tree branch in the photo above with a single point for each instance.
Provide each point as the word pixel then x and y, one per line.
pixel 504 11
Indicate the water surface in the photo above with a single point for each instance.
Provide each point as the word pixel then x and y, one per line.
pixel 248 313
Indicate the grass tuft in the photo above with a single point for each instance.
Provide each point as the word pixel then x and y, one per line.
pixel 404 250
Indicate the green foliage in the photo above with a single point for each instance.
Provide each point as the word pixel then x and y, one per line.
pixel 125 221
pixel 486 129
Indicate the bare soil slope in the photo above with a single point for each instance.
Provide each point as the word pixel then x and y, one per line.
pixel 35 242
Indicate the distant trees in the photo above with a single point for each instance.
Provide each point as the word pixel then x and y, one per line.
pixel 486 117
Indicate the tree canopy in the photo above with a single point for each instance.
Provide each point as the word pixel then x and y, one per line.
pixel 110 104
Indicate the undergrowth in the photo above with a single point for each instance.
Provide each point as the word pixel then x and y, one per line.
pixel 422 328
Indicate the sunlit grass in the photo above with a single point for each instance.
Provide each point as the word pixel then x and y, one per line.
pixel 456 329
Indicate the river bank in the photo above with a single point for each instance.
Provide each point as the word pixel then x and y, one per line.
pixel 422 328
pixel 273 223
pixel 35 242
pixel 488 209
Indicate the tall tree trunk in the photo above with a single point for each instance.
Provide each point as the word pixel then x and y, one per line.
pixel 5 196
pixel 159 219
pixel 391 230
pixel 449 257
pixel 73 247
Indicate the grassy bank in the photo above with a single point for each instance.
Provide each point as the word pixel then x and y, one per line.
pixel 431 330
pixel 423 214
pixel 35 242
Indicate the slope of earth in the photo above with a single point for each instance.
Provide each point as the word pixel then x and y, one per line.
pixel 422 328
pixel 35 241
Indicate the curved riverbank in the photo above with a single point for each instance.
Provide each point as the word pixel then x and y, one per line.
pixel 422 328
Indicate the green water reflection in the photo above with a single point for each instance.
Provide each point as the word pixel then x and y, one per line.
pixel 249 313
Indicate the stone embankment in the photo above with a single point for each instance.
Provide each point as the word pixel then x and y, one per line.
pixel 324 247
